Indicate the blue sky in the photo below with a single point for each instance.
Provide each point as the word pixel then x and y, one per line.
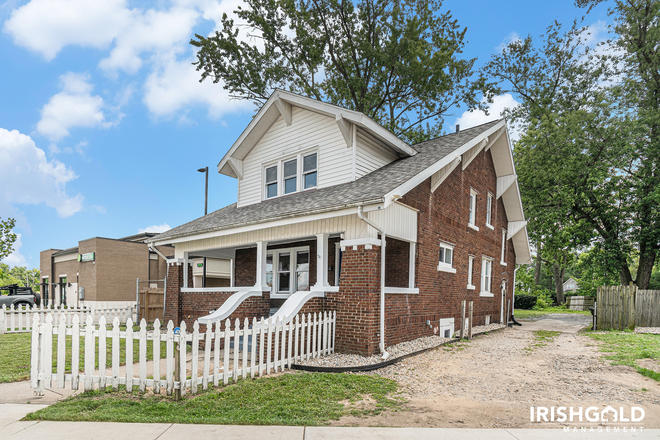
pixel 103 123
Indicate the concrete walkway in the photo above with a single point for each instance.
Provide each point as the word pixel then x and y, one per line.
pixel 11 428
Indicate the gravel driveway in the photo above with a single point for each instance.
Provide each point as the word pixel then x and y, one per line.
pixel 493 380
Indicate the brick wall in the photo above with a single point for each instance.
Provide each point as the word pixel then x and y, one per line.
pixel 397 266
pixel 443 215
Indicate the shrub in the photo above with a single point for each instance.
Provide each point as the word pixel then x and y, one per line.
pixel 525 302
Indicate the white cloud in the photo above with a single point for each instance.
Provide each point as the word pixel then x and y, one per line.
pixel 47 26
pixel 513 36
pixel 174 86
pixel 500 103
pixel 29 178
pixel 156 228
pixel 155 31
pixel 16 258
pixel 74 106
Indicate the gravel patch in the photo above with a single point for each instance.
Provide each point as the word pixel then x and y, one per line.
pixel 395 351
pixel 648 330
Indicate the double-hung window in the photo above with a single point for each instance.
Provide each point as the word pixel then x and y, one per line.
pixel 503 257
pixel 486 276
pixel 271 182
pixel 290 175
pixel 472 221
pixel 309 171
pixel 446 258
pixel 489 211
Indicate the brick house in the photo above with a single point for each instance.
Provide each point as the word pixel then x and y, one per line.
pixel 327 197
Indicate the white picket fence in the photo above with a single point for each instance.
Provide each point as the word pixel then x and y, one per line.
pixel 216 355
pixel 19 319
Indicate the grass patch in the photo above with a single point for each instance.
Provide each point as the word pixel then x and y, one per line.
pixel 523 314
pixel 15 354
pixel 625 348
pixel 15 357
pixel 542 338
pixel 288 399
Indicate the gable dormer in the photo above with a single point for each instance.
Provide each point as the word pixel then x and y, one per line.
pixel 298 144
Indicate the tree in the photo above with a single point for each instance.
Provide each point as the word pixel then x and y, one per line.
pixel 20 275
pixel 7 238
pixel 585 162
pixel 397 61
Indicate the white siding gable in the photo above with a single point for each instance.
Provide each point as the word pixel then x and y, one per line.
pixel 371 154
pixel 309 131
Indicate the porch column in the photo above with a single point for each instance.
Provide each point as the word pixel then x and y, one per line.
pixel 185 269
pixel 231 271
pixel 262 247
pixel 321 261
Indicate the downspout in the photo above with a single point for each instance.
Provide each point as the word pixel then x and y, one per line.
pixel 382 280
pixel 513 297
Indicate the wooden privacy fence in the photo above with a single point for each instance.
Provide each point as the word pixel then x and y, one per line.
pixel 581 303
pixel 20 319
pixel 625 307
pixel 92 355
pixel 151 303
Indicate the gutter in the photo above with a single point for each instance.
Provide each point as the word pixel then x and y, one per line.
pixel 382 280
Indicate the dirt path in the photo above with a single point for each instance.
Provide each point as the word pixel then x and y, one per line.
pixel 492 381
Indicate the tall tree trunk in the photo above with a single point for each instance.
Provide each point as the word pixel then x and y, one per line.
pixel 646 262
pixel 558 275
pixel 537 269
pixel 626 276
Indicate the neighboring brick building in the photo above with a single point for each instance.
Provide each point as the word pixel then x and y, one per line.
pixel 106 269
pixel 319 189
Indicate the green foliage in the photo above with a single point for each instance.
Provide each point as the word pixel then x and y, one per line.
pixel 20 275
pixel 396 61
pixel 525 302
pixel 7 238
pixel 588 160
pixel 289 399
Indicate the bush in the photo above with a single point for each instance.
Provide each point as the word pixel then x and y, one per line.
pixel 525 302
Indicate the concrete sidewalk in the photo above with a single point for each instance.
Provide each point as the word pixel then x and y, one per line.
pixel 13 429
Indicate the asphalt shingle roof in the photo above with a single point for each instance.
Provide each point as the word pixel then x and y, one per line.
pixel 371 187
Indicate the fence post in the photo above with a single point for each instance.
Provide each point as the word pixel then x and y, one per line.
pixel 3 320
pixel 462 319
pixel 470 320
pixel 34 359
pixel 177 366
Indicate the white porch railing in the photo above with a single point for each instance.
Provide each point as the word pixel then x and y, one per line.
pixel 216 355
pixel 20 319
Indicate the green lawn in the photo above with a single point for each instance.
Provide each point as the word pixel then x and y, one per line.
pixel 15 355
pixel 288 399
pixel 625 348
pixel 548 310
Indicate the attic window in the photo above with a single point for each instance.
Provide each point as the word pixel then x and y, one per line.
pixel 290 176
pixel 309 171
pixel 271 182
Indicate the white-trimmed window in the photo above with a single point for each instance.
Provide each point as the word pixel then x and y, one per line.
pixel 486 276
pixel 287 271
pixel 446 258
pixel 489 211
pixel 291 175
pixel 503 256
pixel 271 182
pixel 470 286
pixel 473 210
pixel 310 166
